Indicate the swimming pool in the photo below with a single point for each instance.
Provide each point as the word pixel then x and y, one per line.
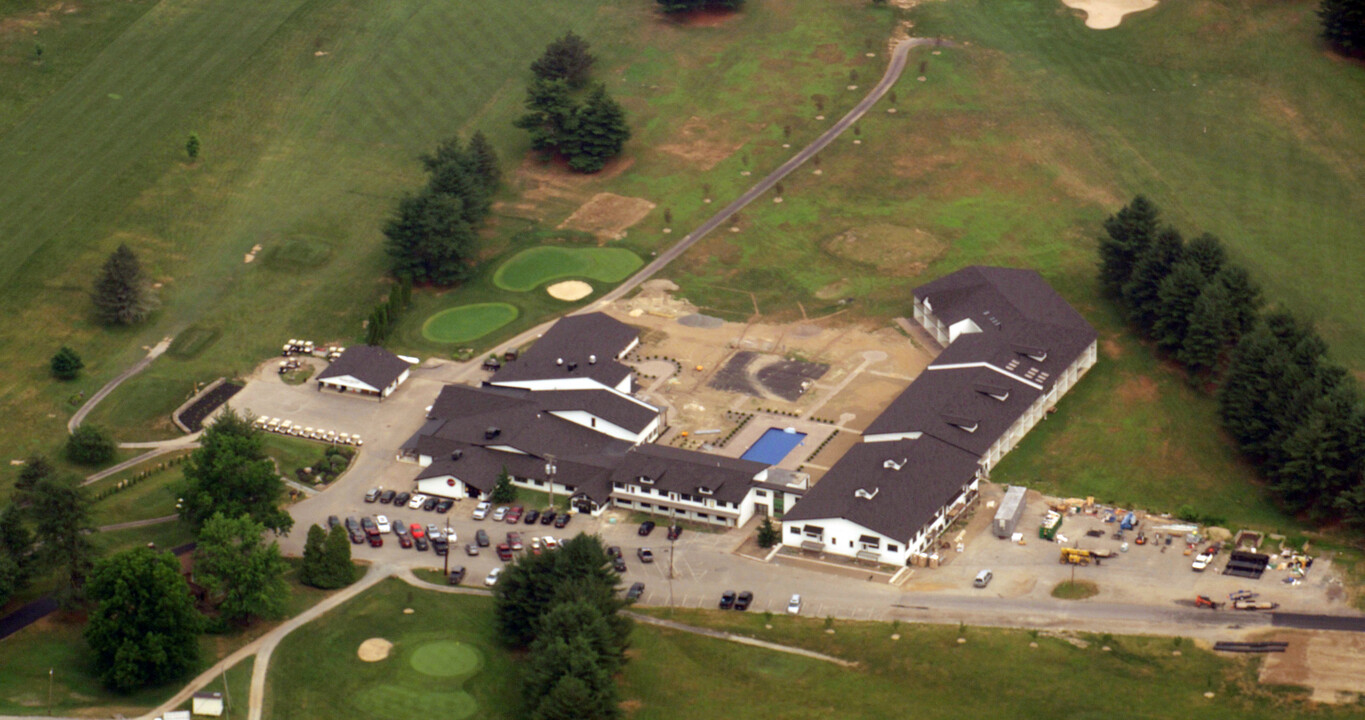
pixel 773 446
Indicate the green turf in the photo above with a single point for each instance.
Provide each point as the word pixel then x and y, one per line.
pixel 153 496
pixel 529 269
pixel 315 673
pixel 467 322
pixel 192 341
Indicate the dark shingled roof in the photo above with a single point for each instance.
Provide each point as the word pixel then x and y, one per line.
pixel 369 364
pixel 574 339
pixel 931 474
pixel 464 401
pixel 687 471
pixel 480 467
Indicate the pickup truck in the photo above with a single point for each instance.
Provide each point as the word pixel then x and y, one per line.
pixel 1202 561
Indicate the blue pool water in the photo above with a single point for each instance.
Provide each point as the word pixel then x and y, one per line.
pixel 773 446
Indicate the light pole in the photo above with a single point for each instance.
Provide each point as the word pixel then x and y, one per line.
pixel 550 476
pixel 448 548
pixel 49 691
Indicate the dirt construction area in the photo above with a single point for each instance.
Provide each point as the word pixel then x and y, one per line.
pixel 1150 574
pixel 723 384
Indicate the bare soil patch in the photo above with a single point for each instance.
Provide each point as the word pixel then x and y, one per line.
pixel 1331 663
pixel 1138 389
pixel 608 215
pixel 548 188
pixel 29 22
pixel 374 650
pixel 702 143
pixel 895 250
pixel 709 17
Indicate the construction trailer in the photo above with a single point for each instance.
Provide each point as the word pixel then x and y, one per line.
pixel 1011 509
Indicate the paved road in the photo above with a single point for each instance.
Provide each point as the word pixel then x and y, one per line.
pixel 95 399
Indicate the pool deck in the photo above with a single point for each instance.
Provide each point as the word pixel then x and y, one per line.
pixel 816 432
pixel 775 437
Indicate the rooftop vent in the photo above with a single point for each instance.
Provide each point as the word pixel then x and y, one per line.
pixel 491 433
pixel 862 494
pixel 559 361
pixel 592 359
pixel 456 454
pixel 893 465
pixel 573 367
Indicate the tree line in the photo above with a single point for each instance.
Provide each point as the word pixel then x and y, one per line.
pixel 682 6
pixel 1292 411
pixel 1343 25
pixel 586 133
pixel 563 607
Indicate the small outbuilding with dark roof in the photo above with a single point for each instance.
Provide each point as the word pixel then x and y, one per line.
pixel 365 370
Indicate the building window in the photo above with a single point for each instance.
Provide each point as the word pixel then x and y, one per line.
pixel 646 505
pixel 538 483
pixel 645 480
pixel 794 530
pixel 703 516
pixel 761 493
pixel 618 485
pixel 892 547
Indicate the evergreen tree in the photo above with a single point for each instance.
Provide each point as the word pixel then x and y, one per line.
pixel 66 364
pixel 429 240
pixel 453 171
pixel 549 115
pixel 567 619
pixel 569 699
pixel 36 467
pixel 60 515
pixel 1144 284
pixel 339 571
pixel 192 146
pixel 122 294
pixel 599 133
pixel 1209 330
pixel 1343 25
pixel 1241 399
pixel 1208 253
pixel 144 628
pixel 243 574
pixel 484 161
pixel 1127 235
pixel 312 571
pixel 231 474
pixel 1176 298
pixel 17 553
pixel 1244 298
pixel 767 533
pixel 503 491
pixel 90 445
pixel 565 59
pixel 572 658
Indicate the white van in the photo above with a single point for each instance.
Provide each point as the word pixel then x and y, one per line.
pixel 983 579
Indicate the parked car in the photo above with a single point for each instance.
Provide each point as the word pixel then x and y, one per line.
pixel 493 576
pixel 369 526
pixel 1201 562
pixel 387 496
pixel 405 541
pixel 983 579
pixel 794 605
pixel 433 530
pixel 372 495
pixel 376 541
pixel 645 554
pixel 430 504
pixel 481 538
pixel 352 524
pixel 531 516
pixel 439 546
pixel 417 501
pixel 514 540
pixel 382 522
pixel 357 537
pixel 744 600
pixel 399 528
pixel 547 516
pixel 471 549
pixel 418 531
pixel 500 513
pixel 727 599
pixel 536 546
pixel 613 552
pixel 674 532
pixel 443 506
pixel 504 552
pixel 402 498
pixel 646 527
pixel 457 574
pixel 332 521
pixel 562 520
pixel 635 592
pixel 481 510
pixel 514 514
pixel 550 543
pixel 420 542
pixel 618 563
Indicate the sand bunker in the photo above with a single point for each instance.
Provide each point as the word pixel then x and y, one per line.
pixel 374 649
pixel 569 290
pixel 1106 14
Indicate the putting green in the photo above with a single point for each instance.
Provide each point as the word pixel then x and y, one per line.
pixel 446 658
pixel 531 268
pixel 408 701
pixel 467 322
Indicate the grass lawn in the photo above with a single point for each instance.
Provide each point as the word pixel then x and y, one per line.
pixel 446 660
pixel 153 496
pixel 529 269
pixel 291 453
pixel 467 322
pixel 236 690
pixel 1077 590
pixel 927 674
pixel 536 500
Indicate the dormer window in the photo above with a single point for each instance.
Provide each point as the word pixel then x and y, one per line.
pixel 705 491
pixel 645 480
pixel 995 392
pixel 1032 352
pixel 962 423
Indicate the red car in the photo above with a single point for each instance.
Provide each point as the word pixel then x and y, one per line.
pixel 514 515
pixel 514 540
pixel 504 552
pixel 376 541
pixel 417 530
pixel 404 541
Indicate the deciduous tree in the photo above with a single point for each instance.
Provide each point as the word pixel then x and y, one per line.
pixel 144 628
pixel 90 445
pixel 230 474
pixel 17 553
pixel 122 293
pixel 243 574
pixel 66 364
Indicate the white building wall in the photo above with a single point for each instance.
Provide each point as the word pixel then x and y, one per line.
pixel 593 422
pixel 349 382
pixel 442 487
pixel 566 383
pixel 841 538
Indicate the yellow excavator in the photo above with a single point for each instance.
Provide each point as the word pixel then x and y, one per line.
pixel 1077 556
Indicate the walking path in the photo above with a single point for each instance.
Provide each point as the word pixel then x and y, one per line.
pixel 162 448
pixel 741 639
pixel 139 523
pixel 103 392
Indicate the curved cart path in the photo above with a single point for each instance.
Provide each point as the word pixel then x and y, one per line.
pixel 103 392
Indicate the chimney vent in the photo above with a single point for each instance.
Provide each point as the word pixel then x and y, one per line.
pixel 559 361
pixel 456 454
pixel 592 359
pixel 491 433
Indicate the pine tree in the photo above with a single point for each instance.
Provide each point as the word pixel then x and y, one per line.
pixel 569 699
pixel 122 294
pixel 1343 25
pixel 60 514
pixel 1127 235
pixel 484 160
pixel 1176 298
pixel 600 132
pixel 36 467
pixel 1208 253
pixel 503 491
pixel 314 557
pixel 565 59
pixel 1155 263
pixel 549 114
pixel 1244 298
pixel 429 240
pixel 1209 330
pixel 767 533
pixel 66 364
pixel 17 553
pixel 1247 383
pixel 339 571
